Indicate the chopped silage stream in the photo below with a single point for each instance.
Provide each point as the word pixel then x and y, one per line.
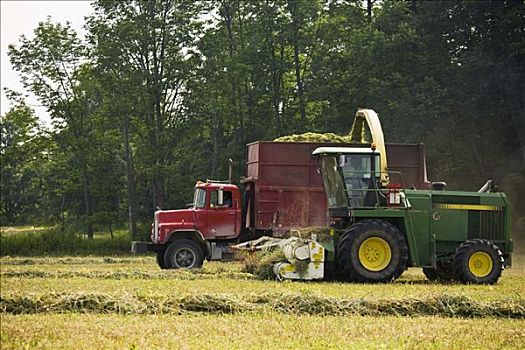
pixel 316 137
pixel 292 304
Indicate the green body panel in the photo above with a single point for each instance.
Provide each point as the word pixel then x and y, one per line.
pixel 450 225
pixel 420 216
pixel 437 222
pixel 459 216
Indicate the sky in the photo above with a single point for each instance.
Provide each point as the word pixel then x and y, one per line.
pixel 21 17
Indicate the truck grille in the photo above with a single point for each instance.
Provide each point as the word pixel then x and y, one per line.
pixel 486 224
pixel 156 228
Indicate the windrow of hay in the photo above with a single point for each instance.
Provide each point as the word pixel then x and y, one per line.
pixel 127 274
pixel 294 304
pixel 207 303
pixel 72 260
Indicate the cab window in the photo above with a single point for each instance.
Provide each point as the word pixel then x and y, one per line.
pixel 227 199
pixel 200 198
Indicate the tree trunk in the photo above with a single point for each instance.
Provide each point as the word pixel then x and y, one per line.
pixel 216 134
pixel 62 216
pixel 515 99
pixel 159 136
pixel 369 5
pixel 299 81
pixel 130 177
pixel 236 97
pixel 296 23
pixel 87 204
pixel 275 71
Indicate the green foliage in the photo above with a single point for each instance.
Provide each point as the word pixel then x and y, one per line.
pixel 163 93
pixel 24 152
pixel 54 241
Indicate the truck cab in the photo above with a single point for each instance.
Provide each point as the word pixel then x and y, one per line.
pixel 214 214
pixel 183 238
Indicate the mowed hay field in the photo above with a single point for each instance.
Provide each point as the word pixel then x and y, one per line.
pixel 129 303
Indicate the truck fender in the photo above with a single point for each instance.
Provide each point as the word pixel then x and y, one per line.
pixel 193 235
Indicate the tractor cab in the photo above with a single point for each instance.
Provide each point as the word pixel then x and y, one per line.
pixel 352 178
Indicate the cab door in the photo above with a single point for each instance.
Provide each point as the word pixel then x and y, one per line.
pixel 222 214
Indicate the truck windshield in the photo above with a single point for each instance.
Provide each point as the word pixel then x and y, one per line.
pixel 333 183
pixel 348 180
pixel 358 166
pixel 357 175
pixel 199 198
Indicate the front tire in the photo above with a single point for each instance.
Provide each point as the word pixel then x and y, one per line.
pixel 478 261
pixel 160 259
pixel 183 254
pixel 372 250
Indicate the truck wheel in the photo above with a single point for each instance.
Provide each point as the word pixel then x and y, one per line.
pixel 372 250
pixel 183 254
pixel 478 261
pixel 160 259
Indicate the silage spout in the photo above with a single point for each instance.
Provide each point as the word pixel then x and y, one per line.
pixel 368 118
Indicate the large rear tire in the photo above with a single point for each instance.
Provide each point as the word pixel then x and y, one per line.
pixel 372 250
pixel 478 261
pixel 183 254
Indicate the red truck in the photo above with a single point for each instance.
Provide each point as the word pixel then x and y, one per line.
pixel 282 190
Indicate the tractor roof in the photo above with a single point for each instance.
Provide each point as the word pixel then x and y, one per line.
pixel 342 150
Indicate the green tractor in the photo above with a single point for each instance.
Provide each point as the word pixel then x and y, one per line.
pixel 380 228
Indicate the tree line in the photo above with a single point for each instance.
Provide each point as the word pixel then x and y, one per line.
pixel 162 93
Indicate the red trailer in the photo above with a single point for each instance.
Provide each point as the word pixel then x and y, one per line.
pixel 283 190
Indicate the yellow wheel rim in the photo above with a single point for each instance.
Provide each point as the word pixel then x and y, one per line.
pixel 480 264
pixel 375 254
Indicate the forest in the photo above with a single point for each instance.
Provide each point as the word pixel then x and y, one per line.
pixel 159 94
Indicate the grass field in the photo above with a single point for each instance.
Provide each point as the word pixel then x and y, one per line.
pixel 127 302
pixel 52 241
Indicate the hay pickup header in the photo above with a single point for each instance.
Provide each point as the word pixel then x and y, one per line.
pixel 380 214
